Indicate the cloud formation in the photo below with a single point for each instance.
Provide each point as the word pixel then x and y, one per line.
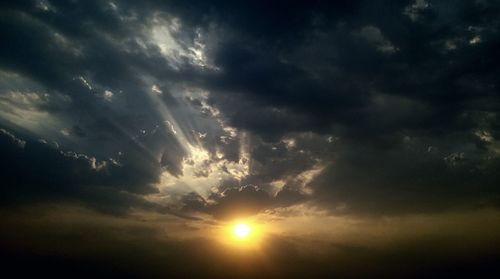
pixel 367 106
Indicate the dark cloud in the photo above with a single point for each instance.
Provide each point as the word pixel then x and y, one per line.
pixel 407 177
pixel 38 171
pixel 235 202
pixel 375 81
pixel 238 202
pixel 409 89
pixel 337 76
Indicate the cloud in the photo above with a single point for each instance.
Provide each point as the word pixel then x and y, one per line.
pixel 239 202
pixel 41 172
pixel 196 96
pixel 374 36
pixel 407 177
pixel 415 10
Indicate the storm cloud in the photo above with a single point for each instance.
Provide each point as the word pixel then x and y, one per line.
pixel 356 92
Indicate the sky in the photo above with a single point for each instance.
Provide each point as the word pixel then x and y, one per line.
pixel 356 139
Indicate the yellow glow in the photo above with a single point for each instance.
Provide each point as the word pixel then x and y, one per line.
pixel 242 234
pixel 242 230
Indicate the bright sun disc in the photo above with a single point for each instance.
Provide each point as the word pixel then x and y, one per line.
pixel 241 230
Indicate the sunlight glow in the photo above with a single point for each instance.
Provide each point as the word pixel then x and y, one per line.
pixel 242 234
pixel 242 230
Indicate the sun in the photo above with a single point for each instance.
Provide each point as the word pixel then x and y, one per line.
pixel 242 234
pixel 242 231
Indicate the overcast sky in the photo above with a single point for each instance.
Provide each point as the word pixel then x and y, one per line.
pixel 360 129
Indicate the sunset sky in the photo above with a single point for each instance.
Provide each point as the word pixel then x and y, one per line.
pixel 250 139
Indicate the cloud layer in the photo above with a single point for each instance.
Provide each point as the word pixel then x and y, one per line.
pixel 363 107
